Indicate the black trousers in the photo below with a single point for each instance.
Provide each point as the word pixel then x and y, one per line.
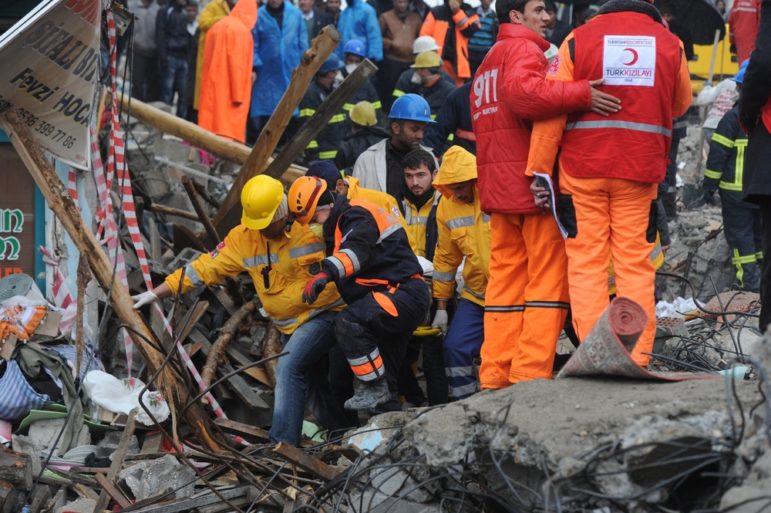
pixel 367 328
pixel 145 77
pixel 742 230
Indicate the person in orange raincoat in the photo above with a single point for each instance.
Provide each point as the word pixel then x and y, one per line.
pixel 226 76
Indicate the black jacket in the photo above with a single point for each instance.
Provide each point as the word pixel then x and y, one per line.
pixel 435 96
pixel 326 143
pixel 171 34
pixel 725 165
pixel 756 91
pixel 362 256
pixel 356 143
pixel 453 119
pixel 320 20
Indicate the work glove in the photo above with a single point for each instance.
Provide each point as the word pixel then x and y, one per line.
pixel 314 287
pixel 440 321
pixel 709 196
pixel 145 298
pixel 426 265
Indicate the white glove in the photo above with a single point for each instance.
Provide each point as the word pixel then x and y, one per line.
pixel 440 321
pixel 145 298
pixel 427 265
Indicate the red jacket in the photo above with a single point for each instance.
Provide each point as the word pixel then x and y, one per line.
pixel 744 21
pixel 510 90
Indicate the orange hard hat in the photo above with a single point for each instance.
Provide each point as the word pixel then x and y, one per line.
pixel 303 196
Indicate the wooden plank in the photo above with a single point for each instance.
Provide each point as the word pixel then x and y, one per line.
pixel 163 209
pixel 256 373
pixel 16 468
pixel 226 333
pixel 117 463
pixel 109 488
pixel 68 213
pixel 305 461
pixel 195 135
pixel 85 491
pixel 245 430
pixel 331 106
pixel 322 47
pixel 211 231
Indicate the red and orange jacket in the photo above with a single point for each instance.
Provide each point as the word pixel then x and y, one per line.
pixel 744 22
pixel 437 25
pixel 510 90
pixel 644 65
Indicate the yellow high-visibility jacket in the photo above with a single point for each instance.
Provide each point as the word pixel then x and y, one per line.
pixel 416 224
pixel 379 198
pixel 464 231
pixel 279 269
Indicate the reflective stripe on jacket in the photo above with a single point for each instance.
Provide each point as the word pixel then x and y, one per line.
pixel 420 224
pixel 465 23
pixel 725 165
pixel 289 262
pixel 370 249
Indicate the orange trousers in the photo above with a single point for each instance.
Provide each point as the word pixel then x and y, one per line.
pixel 612 217
pixel 525 301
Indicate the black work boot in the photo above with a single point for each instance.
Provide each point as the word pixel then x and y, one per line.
pixel 368 394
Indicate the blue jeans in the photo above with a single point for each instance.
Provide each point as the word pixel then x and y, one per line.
pixel 174 80
pixel 461 346
pixel 304 370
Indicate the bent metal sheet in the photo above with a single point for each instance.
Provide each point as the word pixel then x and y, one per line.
pixel 49 66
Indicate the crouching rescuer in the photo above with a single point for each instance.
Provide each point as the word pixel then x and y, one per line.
pixel 279 259
pixel 370 260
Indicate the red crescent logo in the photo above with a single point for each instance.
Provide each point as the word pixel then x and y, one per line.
pixel 634 56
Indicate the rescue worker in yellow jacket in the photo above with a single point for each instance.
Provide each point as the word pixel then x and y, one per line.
pixel 279 259
pixel 464 232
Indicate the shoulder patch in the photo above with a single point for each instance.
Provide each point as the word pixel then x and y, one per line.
pixel 216 250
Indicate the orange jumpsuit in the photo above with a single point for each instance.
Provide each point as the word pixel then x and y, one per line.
pixel 610 166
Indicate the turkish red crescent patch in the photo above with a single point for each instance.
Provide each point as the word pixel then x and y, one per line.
pixel 217 250
pixel 554 65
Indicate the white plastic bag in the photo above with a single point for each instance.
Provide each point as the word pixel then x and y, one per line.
pixel 122 396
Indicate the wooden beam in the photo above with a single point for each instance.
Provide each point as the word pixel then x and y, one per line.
pixel 195 135
pixel 211 231
pixel 331 106
pixel 322 47
pixel 106 482
pixel 305 461
pixel 163 209
pixel 68 213
pixel 228 330
pixel 16 468
pixel 110 490
pixel 239 428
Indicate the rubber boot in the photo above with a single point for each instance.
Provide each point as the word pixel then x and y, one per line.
pixel 368 394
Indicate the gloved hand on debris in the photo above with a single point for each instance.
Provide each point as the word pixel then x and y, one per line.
pixel 440 321
pixel 427 266
pixel 145 298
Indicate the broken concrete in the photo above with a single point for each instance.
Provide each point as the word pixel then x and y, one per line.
pixel 78 506
pixel 582 442
pixel 155 477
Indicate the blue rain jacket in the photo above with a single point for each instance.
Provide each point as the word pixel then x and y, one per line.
pixel 359 21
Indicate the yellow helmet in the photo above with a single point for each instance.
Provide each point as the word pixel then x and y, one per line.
pixel 363 113
pixel 303 196
pixel 428 59
pixel 260 198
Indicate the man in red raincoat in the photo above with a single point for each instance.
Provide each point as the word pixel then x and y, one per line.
pixel 226 77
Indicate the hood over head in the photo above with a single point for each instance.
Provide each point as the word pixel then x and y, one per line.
pixel 458 165
pixel 246 12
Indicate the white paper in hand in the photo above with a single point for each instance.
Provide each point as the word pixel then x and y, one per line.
pixel 553 203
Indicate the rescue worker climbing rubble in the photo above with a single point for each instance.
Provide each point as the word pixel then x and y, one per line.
pixel 526 298
pixel 279 259
pixel 464 233
pixel 607 208
pixel 378 275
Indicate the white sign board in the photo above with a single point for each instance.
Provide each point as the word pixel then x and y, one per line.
pixel 49 67
pixel 629 61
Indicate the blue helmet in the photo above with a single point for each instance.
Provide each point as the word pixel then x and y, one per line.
pixel 333 63
pixel 411 107
pixel 356 47
pixel 739 78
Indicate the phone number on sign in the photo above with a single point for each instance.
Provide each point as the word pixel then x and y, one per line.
pixel 47 129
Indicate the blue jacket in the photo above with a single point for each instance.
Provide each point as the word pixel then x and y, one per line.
pixel 359 21
pixel 277 52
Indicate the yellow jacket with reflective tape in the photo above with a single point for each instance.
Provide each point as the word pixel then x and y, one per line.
pixel 464 231
pixel 294 258
pixel 379 198
pixel 416 223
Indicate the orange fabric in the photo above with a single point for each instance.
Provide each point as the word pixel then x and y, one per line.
pixel 211 14
pixel 346 261
pixel 367 368
pixel 744 23
pixel 461 70
pixel 526 299
pixel 386 304
pixel 612 218
pixel 226 73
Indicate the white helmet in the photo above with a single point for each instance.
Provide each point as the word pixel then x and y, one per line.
pixel 424 44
